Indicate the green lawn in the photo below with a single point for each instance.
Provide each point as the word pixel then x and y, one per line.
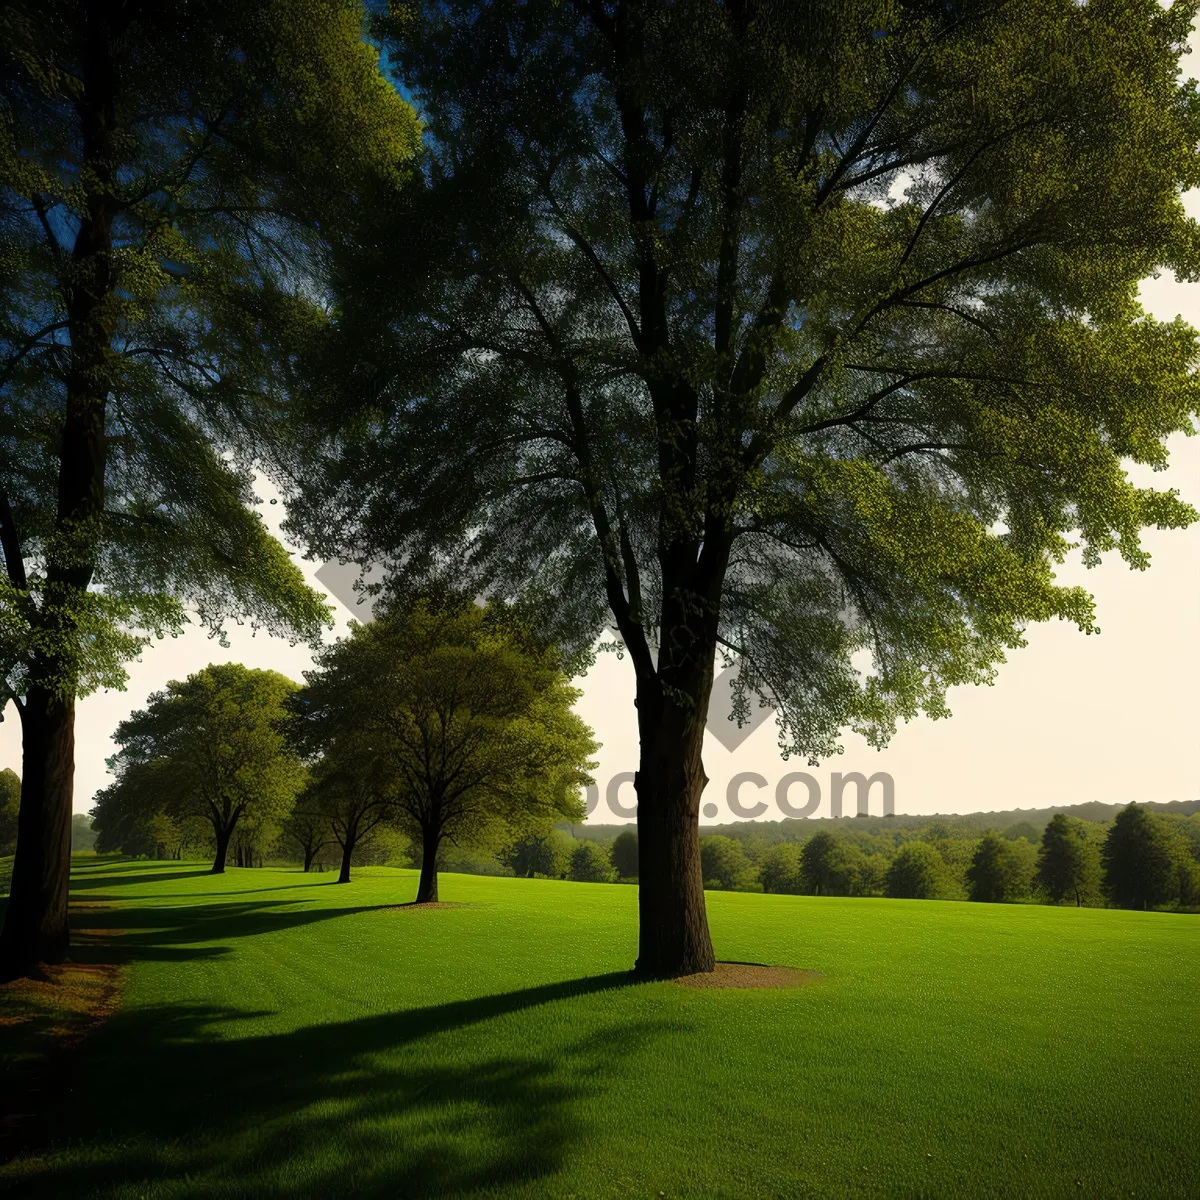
pixel 281 1035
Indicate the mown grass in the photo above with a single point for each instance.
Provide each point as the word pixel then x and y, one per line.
pixel 281 1035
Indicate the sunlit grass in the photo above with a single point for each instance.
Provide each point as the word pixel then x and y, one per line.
pixel 283 1035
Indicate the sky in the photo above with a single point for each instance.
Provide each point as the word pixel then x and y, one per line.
pixel 1112 717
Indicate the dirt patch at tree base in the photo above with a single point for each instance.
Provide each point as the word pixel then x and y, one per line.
pixel 413 906
pixel 749 975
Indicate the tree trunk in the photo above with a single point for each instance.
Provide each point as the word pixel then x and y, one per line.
pixel 223 836
pixel 673 924
pixel 347 851
pixel 309 855
pixel 36 927
pixel 427 888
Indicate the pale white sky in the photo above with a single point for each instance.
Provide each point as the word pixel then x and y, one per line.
pixel 1071 718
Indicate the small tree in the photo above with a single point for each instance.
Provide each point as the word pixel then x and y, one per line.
pixel 1068 864
pixel 354 787
pixel 465 719
pixel 547 854
pixel 592 863
pixel 724 864
pixel 211 746
pixel 307 828
pixel 872 875
pixel 625 854
pixel 781 869
pixel 917 873
pixel 995 871
pixel 1140 860
pixel 819 859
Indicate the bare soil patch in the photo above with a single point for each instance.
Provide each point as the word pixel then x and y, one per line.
pixel 750 975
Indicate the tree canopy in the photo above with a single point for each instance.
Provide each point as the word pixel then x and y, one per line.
pixel 780 331
pixel 456 719
pixel 211 747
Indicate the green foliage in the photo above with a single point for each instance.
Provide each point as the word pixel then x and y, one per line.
pixel 1068 863
pixel 592 863
pixel 83 836
pixel 10 806
pixel 780 869
pixel 1140 860
pixel 1022 829
pixel 918 872
pixel 458 725
pixel 164 170
pixel 625 854
pixel 821 863
pixel 725 866
pixel 208 748
pixel 821 324
pixel 548 854
pixel 996 870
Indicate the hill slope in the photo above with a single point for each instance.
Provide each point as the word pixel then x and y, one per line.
pixel 281 1035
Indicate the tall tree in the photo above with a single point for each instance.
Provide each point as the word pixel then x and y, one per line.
pixel 459 721
pixel 1140 859
pixel 162 170
pixel 1068 864
pixel 212 747
pixel 781 331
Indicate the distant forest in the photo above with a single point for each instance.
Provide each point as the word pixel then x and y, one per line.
pixel 1093 854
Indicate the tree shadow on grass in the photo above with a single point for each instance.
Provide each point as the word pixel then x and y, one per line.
pixel 84 883
pixel 125 934
pixel 428 1102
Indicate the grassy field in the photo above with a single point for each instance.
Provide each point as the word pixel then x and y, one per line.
pixel 281 1035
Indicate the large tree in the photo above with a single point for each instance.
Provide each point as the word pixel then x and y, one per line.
pixel 784 332
pixel 162 171
pixel 453 720
pixel 211 747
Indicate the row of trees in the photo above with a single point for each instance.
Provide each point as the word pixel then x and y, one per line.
pixel 1140 860
pixel 441 722
pixel 786 332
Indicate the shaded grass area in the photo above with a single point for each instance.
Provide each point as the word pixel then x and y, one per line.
pixel 42 1021
pixel 284 1035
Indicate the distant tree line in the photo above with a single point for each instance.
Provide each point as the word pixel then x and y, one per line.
pixel 1141 859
